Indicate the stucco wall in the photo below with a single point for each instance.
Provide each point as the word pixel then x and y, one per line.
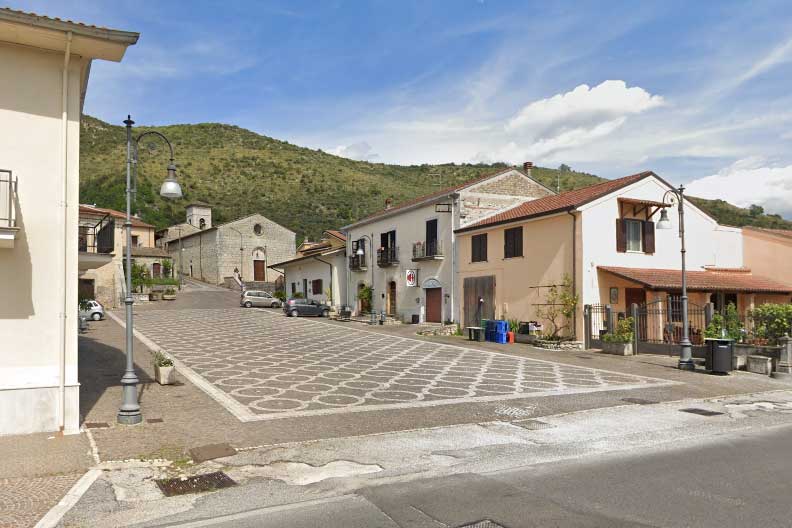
pixel 768 255
pixel 35 274
pixel 311 269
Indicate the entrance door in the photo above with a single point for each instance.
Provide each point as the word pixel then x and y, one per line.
pixel 434 305
pixel 392 298
pixel 305 288
pixel 156 269
pixel 85 289
pixel 636 296
pixel 259 271
pixel 479 303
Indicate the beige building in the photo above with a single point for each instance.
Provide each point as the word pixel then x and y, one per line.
pixel 768 252
pixel 318 270
pixel 106 283
pixel 211 253
pixel 46 63
pixel 603 238
pixel 413 261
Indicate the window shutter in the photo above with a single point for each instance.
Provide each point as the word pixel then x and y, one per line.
pixel 648 237
pixel 483 250
pixel 621 235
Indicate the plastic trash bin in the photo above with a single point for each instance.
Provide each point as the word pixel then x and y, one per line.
pixel 718 359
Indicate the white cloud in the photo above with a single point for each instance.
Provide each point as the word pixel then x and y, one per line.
pixel 749 181
pixel 356 151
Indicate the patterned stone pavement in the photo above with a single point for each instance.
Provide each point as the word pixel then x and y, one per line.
pixel 23 501
pixel 261 365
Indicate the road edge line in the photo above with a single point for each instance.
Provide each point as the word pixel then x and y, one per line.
pixel 75 493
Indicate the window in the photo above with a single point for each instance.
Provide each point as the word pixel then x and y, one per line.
pixel 479 248
pixel 294 288
pixel 202 223
pixel 316 287
pixel 634 235
pixel 135 240
pixel 257 229
pixel 513 242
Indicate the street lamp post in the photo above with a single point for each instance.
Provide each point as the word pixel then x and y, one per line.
pixel 686 351
pixel 129 412
pixel 361 253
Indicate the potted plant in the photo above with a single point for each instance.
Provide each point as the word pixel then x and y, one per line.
pixel 164 371
pixel 620 341
pixel 169 294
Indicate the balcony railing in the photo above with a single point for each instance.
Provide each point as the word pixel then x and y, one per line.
pixel 357 262
pixel 429 250
pixel 387 256
pixel 8 191
pixel 98 237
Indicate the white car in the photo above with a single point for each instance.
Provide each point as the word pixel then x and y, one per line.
pixel 92 310
pixel 252 298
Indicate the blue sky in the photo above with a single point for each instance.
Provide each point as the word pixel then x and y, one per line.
pixel 696 91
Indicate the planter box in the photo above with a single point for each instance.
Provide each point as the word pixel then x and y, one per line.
pixel 760 365
pixel 166 297
pixel 165 375
pixel 617 349
pixel 525 338
pixel 140 297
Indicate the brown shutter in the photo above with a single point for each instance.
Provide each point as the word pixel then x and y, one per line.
pixel 621 235
pixel 648 237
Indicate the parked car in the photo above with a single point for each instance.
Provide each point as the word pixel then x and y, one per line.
pixel 252 298
pixel 92 310
pixel 298 307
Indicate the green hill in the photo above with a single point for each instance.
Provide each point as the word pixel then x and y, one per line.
pixel 240 172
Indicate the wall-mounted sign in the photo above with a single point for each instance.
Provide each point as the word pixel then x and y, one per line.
pixel 411 277
pixel 442 208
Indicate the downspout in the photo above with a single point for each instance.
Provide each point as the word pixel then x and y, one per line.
pixel 454 315
pixel 66 234
pixel 574 268
pixel 331 277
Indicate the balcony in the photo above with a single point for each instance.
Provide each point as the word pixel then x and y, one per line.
pixel 357 263
pixel 387 256
pixel 96 241
pixel 429 250
pixel 8 201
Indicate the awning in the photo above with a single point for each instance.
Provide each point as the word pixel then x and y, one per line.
pixel 720 279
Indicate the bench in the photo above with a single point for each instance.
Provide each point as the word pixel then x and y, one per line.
pixel 475 333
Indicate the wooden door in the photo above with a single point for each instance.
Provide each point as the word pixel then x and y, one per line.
pixel 633 296
pixel 434 305
pixel 156 269
pixel 259 271
pixel 479 295
pixel 392 298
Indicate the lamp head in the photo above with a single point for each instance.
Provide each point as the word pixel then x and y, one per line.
pixel 664 222
pixel 359 252
pixel 170 187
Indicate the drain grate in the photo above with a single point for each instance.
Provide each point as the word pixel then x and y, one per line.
pixel 701 412
pixel 197 484
pixel 584 357
pixel 486 523
pixel 534 425
pixel 639 401
pixel 154 420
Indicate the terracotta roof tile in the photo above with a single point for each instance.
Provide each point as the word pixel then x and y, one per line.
pixel 738 280
pixel 91 209
pixel 337 234
pixel 558 202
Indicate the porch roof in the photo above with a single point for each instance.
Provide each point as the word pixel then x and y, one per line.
pixel 736 280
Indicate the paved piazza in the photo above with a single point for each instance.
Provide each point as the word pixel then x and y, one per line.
pixel 261 365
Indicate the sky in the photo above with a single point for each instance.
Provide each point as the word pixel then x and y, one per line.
pixel 698 92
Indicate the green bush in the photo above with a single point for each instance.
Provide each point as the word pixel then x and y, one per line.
pixel 297 295
pixel 772 321
pixel 623 333
pixel 161 360
pixel 514 325
pixel 280 295
pixel 728 323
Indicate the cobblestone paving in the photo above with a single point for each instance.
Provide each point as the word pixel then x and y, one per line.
pixel 262 365
pixel 23 501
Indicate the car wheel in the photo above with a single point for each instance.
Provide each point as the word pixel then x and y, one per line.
pixel 325 313
pixel 295 313
pixel 96 317
pixel 274 305
pixel 248 304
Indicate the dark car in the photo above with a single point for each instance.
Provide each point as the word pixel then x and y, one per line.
pixel 298 307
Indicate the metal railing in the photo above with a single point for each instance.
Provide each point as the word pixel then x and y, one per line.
pixel 98 237
pixel 357 262
pixel 387 256
pixel 429 249
pixel 8 193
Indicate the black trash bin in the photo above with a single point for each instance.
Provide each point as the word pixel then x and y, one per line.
pixel 719 355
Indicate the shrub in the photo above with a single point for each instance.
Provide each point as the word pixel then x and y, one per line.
pixel 297 295
pixel 728 324
pixel 559 307
pixel 280 295
pixel 167 267
pixel 170 291
pixel 364 294
pixel 161 360
pixel 772 321
pixel 623 333
pixel 514 325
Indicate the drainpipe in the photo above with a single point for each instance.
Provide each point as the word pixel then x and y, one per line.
pixel 574 268
pixel 454 316
pixel 331 277
pixel 66 233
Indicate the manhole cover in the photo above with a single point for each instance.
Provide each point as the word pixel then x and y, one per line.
pixel 196 484
pixel 155 420
pixel 486 523
pixel 701 412
pixel 639 401
pixel 534 425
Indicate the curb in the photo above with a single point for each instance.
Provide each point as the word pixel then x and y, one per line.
pixel 56 513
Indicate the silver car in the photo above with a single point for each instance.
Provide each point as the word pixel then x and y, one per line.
pixel 252 298
pixel 92 310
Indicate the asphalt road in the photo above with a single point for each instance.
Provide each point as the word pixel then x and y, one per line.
pixel 735 480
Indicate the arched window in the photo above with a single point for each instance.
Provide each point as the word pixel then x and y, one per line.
pixel 257 229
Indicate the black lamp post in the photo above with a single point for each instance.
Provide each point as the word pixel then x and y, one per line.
pixel 361 253
pixel 686 350
pixel 129 412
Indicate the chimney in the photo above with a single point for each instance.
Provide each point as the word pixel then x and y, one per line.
pixel 388 203
pixel 527 166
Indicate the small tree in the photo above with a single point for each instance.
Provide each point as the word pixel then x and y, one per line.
pixel 728 324
pixel 167 267
pixel 140 275
pixel 559 307
pixel 364 295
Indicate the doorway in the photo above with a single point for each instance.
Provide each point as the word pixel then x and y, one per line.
pixel 633 296
pixel 479 295
pixel 259 271
pixel 156 270
pixel 391 304
pixel 434 305
pixel 85 289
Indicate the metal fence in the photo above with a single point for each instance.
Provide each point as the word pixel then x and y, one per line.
pixel 661 322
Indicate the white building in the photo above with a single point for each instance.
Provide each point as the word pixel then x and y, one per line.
pixel 46 63
pixel 413 261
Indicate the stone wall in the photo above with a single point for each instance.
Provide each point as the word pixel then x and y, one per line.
pixel 272 243
pixel 498 194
